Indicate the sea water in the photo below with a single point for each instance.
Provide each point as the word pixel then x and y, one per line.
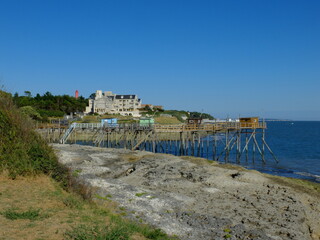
pixel 297 146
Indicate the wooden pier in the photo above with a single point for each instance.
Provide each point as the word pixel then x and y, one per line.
pixel 220 141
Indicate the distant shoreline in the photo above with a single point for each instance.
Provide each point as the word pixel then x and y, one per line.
pixel 278 120
pixel 288 120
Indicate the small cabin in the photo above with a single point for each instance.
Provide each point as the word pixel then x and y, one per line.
pixel 144 122
pixel 109 122
pixel 250 122
pixel 194 121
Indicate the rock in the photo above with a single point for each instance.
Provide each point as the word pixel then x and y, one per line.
pixel 195 201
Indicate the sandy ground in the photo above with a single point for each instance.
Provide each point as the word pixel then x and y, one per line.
pixel 193 199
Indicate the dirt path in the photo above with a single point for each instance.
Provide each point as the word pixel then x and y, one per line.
pixel 193 199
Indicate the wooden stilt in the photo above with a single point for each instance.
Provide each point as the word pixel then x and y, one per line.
pixel 214 152
pixel 246 147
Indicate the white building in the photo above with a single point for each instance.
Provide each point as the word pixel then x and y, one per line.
pixel 109 103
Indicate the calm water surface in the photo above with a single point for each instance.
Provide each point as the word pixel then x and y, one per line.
pixel 297 146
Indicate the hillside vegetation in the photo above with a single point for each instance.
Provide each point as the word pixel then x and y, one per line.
pixel 22 151
pixel 48 105
pixel 180 115
pixel 37 208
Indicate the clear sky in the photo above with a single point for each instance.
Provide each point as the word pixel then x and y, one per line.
pixel 226 57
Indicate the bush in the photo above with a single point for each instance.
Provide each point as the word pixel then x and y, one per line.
pixel 30 112
pixel 22 151
pixel 51 113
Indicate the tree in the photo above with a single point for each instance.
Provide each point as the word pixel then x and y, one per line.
pixel 92 96
pixel 48 95
pixel 27 93
pixel 201 115
pixel 30 112
pixel 147 108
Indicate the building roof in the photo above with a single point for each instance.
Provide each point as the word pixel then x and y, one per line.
pixel 158 106
pixel 144 105
pixel 125 96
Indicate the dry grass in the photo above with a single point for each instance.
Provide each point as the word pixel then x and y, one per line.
pixel 56 215
pixel 166 120
pixel 300 185
pixel 90 119
pixel 199 161
pixel 132 158
pixel 41 209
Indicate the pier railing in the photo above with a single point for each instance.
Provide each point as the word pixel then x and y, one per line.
pixel 88 125
pixel 214 127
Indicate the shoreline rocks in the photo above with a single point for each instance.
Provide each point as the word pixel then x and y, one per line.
pixel 192 198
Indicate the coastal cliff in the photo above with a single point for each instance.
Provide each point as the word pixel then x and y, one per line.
pixel 193 198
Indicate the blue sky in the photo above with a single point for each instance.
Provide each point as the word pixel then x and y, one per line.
pixel 228 58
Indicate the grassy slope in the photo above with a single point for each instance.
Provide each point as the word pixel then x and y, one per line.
pixel 60 215
pixel 22 151
pixel 167 120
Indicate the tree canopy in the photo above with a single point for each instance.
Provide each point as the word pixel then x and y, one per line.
pixel 201 115
pixel 49 105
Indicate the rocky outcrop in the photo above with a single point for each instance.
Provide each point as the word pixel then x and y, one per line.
pixel 192 198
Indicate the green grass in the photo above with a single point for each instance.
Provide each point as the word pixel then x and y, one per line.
pixel 76 173
pixel 140 194
pixel 227 236
pixel 119 229
pixel 106 198
pixel 13 214
pixel 101 212
pixel 73 202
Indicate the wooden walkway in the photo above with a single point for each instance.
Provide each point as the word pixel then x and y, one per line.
pixel 211 140
pixel 213 127
pixel 160 128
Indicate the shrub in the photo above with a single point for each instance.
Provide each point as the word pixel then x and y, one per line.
pixel 22 150
pixel 51 113
pixel 30 112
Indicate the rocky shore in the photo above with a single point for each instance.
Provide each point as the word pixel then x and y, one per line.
pixel 193 198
